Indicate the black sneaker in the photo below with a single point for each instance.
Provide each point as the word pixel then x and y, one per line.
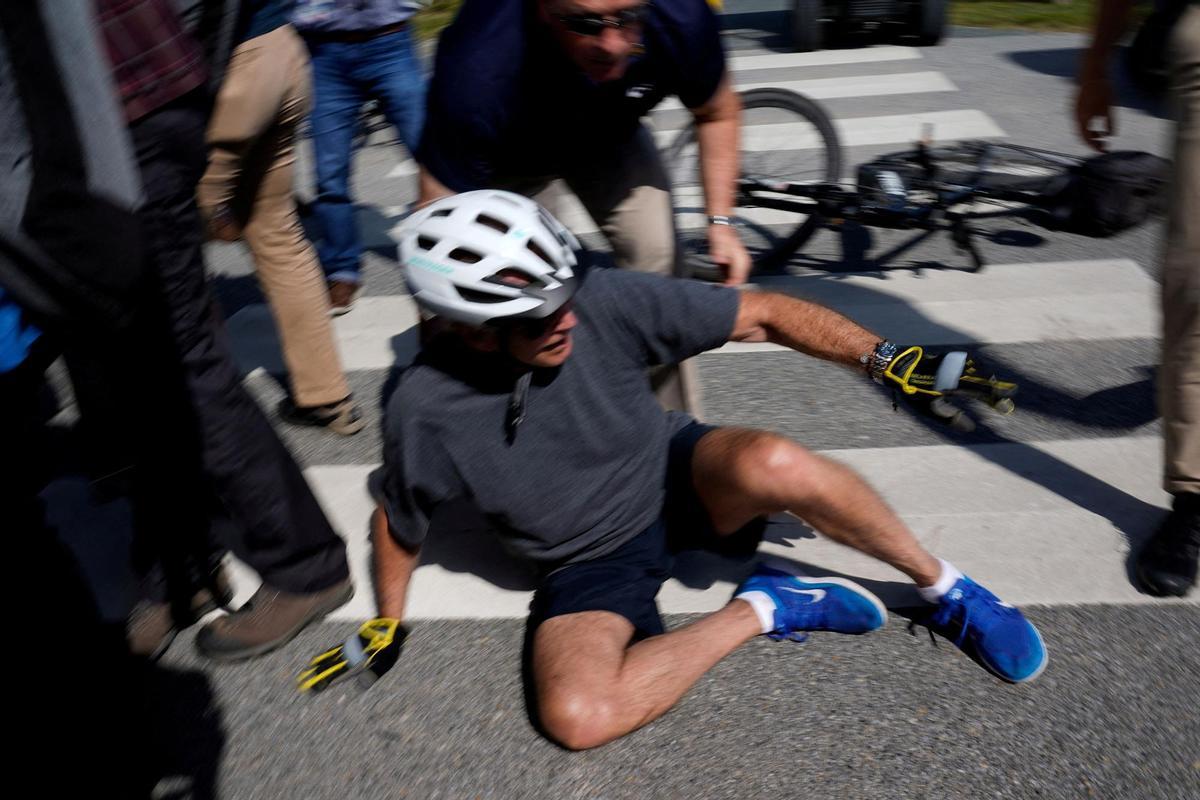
pixel 343 417
pixel 1166 566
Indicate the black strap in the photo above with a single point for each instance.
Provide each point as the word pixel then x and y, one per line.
pixel 516 405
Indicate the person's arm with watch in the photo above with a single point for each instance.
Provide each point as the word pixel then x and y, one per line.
pixel 718 127
pixel 921 377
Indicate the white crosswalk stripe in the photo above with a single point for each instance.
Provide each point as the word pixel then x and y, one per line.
pixel 1106 299
pixel 822 58
pixel 993 521
pixel 856 86
pixel 996 519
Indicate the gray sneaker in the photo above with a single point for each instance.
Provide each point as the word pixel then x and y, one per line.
pixel 269 619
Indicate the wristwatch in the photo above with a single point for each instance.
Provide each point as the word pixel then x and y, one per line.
pixel 876 362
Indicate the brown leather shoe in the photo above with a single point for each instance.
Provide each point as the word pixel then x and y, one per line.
pixel 342 295
pixel 269 619
pixel 151 627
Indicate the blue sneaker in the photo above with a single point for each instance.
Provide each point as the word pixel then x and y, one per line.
pixel 814 604
pixel 991 631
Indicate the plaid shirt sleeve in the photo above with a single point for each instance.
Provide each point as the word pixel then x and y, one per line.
pixel 153 60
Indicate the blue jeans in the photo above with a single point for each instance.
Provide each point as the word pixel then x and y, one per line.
pixel 346 75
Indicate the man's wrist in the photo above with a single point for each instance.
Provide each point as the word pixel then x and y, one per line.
pixel 876 362
pixel 721 220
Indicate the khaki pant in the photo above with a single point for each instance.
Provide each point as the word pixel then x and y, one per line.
pixel 1179 381
pixel 251 139
pixel 628 194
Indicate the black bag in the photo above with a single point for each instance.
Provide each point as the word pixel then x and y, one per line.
pixel 1109 193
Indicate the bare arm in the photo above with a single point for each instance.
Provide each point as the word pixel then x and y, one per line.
pixel 803 326
pixel 718 128
pixel 394 566
pixel 1093 103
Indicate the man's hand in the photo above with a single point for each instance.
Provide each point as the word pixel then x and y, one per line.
pixel 726 250
pixel 926 380
pixel 222 225
pixel 1093 104
pixel 368 654
pixel 1094 118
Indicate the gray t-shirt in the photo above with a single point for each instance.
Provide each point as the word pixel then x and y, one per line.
pixel 584 471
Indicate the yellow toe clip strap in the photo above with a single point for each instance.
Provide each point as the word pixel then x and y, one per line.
pixel 368 654
pixel 956 373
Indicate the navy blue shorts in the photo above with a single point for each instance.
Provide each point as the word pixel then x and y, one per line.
pixel 626 581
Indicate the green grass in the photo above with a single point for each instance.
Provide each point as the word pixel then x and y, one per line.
pixel 435 16
pixel 1038 15
pixel 1041 16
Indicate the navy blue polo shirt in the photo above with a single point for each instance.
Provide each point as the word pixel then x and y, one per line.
pixel 506 101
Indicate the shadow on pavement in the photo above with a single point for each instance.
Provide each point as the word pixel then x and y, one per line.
pixel 1064 63
pixel 1133 517
pixel 768 30
pixel 121 727
pixel 186 736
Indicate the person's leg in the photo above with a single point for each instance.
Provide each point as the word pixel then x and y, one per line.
pixel 390 69
pixel 594 686
pixel 1167 566
pixel 287 266
pixel 336 103
pixel 285 536
pixel 628 194
pixel 741 474
pixel 246 106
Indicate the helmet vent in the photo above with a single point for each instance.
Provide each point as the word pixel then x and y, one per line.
pixel 426 242
pixel 537 250
pixel 511 276
pixel 465 256
pixel 491 222
pixel 476 296
pixel 441 212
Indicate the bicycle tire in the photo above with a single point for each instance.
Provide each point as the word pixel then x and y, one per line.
pixel 815 138
pixel 807 29
pixel 929 22
pixel 1007 166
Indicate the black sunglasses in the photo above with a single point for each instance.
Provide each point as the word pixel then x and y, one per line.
pixel 594 24
pixel 535 328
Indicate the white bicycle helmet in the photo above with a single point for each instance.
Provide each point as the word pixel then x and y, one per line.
pixel 485 256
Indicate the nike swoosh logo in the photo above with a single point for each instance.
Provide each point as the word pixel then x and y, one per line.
pixel 817 594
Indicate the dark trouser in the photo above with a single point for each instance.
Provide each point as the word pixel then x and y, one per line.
pixel 282 532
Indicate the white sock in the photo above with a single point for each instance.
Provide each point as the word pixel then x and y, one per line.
pixel 950 575
pixel 763 606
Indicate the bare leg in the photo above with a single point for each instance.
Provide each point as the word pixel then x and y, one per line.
pixel 742 474
pixel 593 686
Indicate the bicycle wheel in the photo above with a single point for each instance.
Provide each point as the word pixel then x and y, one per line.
pixel 988 165
pixel 784 137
